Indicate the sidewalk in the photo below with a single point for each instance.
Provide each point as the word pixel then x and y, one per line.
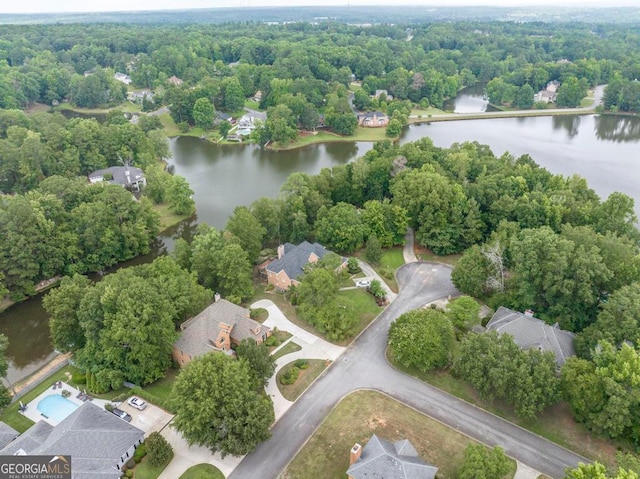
pixel 408 252
pixel 312 346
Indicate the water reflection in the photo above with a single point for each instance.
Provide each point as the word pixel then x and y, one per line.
pixel 617 128
pixel 569 123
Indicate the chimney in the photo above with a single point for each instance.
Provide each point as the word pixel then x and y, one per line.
pixel 216 297
pixel 356 452
pixel 280 251
pixel 528 313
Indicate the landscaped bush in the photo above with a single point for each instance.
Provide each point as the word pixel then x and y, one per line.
pixel 272 341
pixel 160 451
pixel 301 364
pixel 269 287
pixel 352 266
pixel 66 393
pixel 109 407
pixel 290 376
pixel 129 473
pixel 141 451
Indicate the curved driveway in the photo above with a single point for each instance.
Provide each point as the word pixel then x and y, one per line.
pixel 364 366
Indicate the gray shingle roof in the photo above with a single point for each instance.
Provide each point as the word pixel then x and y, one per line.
pixel 7 434
pixel 198 331
pixel 382 460
pixel 295 258
pixel 95 439
pixel 122 175
pixel 530 332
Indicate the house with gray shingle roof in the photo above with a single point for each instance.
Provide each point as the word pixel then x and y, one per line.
pixel 380 459
pixel 98 442
pixel 7 434
pixel 529 332
pixel 129 177
pixel 221 325
pixel 292 259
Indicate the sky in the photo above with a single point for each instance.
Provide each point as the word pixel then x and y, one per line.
pixel 57 6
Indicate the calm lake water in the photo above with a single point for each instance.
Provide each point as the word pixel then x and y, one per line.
pixel 469 100
pixel 602 149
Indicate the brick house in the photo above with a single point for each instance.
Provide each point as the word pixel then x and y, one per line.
pixel 284 271
pixel 221 325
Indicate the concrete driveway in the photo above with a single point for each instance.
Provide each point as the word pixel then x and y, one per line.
pixel 185 456
pixel 364 366
pixel 152 418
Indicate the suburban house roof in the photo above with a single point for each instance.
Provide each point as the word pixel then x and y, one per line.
pixel 125 176
pixel 175 80
pixel 199 332
pixel 529 332
pixel 295 258
pixel 7 434
pixel 95 438
pixel 381 459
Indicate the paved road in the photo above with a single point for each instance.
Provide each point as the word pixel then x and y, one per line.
pixel 363 366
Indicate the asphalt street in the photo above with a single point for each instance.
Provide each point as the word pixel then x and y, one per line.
pixel 364 366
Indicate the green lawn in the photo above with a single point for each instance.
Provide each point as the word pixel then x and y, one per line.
pixel 288 348
pixel 364 413
pixel 390 261
pixel 305 378
pixel 427 255
pixel 555 423
pixel 254 105
pixel 421 113
pixel 360 303
pixel 169 126
pixel 202 471
pixel 162 387
pixel 167 217
pixel 360 134
pixel 144 470
pixel 259 314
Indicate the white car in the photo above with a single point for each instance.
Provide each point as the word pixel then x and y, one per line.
pixel 363 283
pixel 137 403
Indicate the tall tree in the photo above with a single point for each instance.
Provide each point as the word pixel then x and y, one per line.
pixel 218 406
pixel 261 364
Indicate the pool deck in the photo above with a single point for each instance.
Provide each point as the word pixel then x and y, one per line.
pixel 35 415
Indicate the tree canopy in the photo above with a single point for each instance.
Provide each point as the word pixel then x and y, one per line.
pixel 218 407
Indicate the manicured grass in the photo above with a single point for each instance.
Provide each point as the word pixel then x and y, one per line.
pixel 305 378
pixel 362 304
pixel 555 423
pixel 254 105
pixel 162 387
pixel 360 134
pixel 170 127
pixel 288 348
pixel 144 470
pixel 126 107
pixel 390 261
pixel 364 413
pixel 202 471
pixel 167 217
pixel 282 336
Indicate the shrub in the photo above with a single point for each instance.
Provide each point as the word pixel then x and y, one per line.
pixel 290 376
pixel 160 451
pixel 131 463
pixel 66 393
pixel 109 407
pixel 141 451
pixel 301 364
pixel 352 266
pixel 272 341
pixel 183 126
pixel 79 378
pixel 269 287
pixel 129 473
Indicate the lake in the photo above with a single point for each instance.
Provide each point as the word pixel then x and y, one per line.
pixel 602 149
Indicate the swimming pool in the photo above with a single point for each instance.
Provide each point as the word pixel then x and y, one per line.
pixel 56 407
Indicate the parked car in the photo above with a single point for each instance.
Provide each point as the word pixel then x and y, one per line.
pixel 121 414
pixel 363 283
pixel 137 403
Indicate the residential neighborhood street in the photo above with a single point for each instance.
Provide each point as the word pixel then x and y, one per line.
pixel 364 366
